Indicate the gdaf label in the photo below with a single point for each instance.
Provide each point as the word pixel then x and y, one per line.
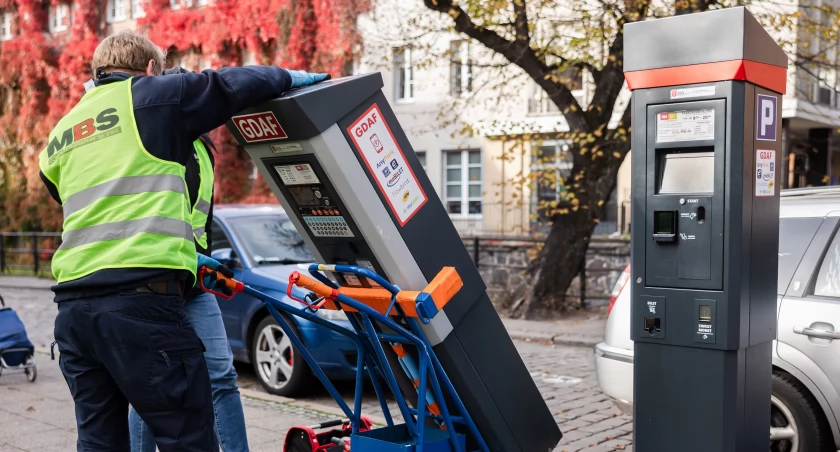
pixel 386 163
pixel 259 127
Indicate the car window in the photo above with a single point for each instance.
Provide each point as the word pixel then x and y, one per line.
pixel 795 235
pixel 271 240
pixel 218 238
pixel 828 278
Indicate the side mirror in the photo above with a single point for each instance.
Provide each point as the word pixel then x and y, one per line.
pixel 226 257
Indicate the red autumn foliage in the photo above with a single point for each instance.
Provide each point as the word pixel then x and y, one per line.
pixel 41 77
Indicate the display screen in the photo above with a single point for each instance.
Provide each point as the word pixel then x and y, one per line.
pixel 687 173
pixel 304 196
pixel 663 222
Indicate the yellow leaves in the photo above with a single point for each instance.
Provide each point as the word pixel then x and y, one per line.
pixel 596 221
pixel 600 203
pixel 454 13
pixel 617 154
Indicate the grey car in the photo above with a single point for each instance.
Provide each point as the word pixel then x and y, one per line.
pixel 805 404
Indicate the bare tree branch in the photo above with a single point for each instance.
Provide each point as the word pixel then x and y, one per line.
pixel 520 21
pixel 520 54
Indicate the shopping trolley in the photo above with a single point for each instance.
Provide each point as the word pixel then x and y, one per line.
pixel 16 350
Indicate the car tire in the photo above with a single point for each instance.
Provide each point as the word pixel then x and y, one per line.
pixel 796 420
pixel 276 362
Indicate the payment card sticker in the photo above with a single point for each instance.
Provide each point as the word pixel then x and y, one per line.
pixel 386 162
pixel 693 125
pixel 765 173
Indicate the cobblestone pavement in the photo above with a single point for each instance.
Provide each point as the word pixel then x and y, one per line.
pixel 39 416
pixel 564 374
pixel 566 379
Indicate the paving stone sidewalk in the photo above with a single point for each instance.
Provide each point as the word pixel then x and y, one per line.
pixel 39 416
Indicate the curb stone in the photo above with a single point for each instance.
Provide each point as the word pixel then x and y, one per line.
pixel 573 341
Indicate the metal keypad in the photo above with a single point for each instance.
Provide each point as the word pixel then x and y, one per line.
pixel 328 226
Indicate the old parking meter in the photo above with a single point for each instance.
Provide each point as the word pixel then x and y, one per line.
pixel 341 166
pixel 706 113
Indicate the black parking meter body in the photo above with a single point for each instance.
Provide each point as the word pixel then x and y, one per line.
pixel 706 120
pixel 337 159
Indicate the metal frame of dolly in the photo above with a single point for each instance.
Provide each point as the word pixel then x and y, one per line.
pixel 371 355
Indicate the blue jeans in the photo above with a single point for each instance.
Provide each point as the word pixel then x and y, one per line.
pixel 206 318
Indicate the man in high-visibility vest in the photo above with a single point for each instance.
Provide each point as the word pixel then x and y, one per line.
pixel 117 164
pixel 204 315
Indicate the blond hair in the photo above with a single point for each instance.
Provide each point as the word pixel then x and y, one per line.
pixel 128 51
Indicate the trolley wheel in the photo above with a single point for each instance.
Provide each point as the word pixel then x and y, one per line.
pixel 31 372
pixel 298 443
pixel 278 367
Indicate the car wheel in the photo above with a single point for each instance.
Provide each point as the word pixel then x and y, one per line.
pixel 275 361
pixel 796 420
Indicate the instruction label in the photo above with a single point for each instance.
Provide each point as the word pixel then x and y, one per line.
pixel 685 125
pixel 386 163
pixel 288 147
pixel 685 93
pixel 298 174
pixel 765 173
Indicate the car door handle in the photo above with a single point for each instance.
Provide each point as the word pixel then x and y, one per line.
pixel 823 334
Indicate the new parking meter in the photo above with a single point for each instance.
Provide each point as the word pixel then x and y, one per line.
pixel 706 112
pixel 338 161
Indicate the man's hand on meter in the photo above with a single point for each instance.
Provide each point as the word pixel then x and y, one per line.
pixel 210 281
pixel 303 78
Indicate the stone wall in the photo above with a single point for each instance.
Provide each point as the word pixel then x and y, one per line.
pixel 502 264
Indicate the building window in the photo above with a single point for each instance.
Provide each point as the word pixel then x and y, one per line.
pixel 137 10
pixel 462 173
pixel 59 17
pixel 404 73
pixel 460 68
pixel 116 10
pixel 6 26
pixel 422 157
pixel 551 164
pixel 540 104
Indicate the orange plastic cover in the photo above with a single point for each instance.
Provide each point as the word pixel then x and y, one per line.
pixel 442 288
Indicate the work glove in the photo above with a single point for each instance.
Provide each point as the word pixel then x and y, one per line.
pixel 210 281
pixel 303 78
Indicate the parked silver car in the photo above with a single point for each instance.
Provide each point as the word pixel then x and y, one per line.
pixel 805 403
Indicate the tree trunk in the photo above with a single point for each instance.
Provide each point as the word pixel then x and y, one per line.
pixel 590 184
pixel 557 265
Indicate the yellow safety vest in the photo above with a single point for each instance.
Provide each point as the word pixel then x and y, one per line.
pixel 201 206
pixel 123 207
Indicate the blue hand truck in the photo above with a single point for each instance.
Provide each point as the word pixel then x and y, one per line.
pixel 379 315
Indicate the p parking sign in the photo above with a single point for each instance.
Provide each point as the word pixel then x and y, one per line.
pixel 765 123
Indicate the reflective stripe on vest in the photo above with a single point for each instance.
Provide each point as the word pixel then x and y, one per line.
pixel 123 207
pixel 201 207
pixel 123 186
pixel 126 229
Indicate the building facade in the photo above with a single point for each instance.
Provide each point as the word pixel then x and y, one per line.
pixel 480 139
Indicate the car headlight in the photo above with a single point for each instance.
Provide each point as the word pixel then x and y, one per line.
pixel 329 314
